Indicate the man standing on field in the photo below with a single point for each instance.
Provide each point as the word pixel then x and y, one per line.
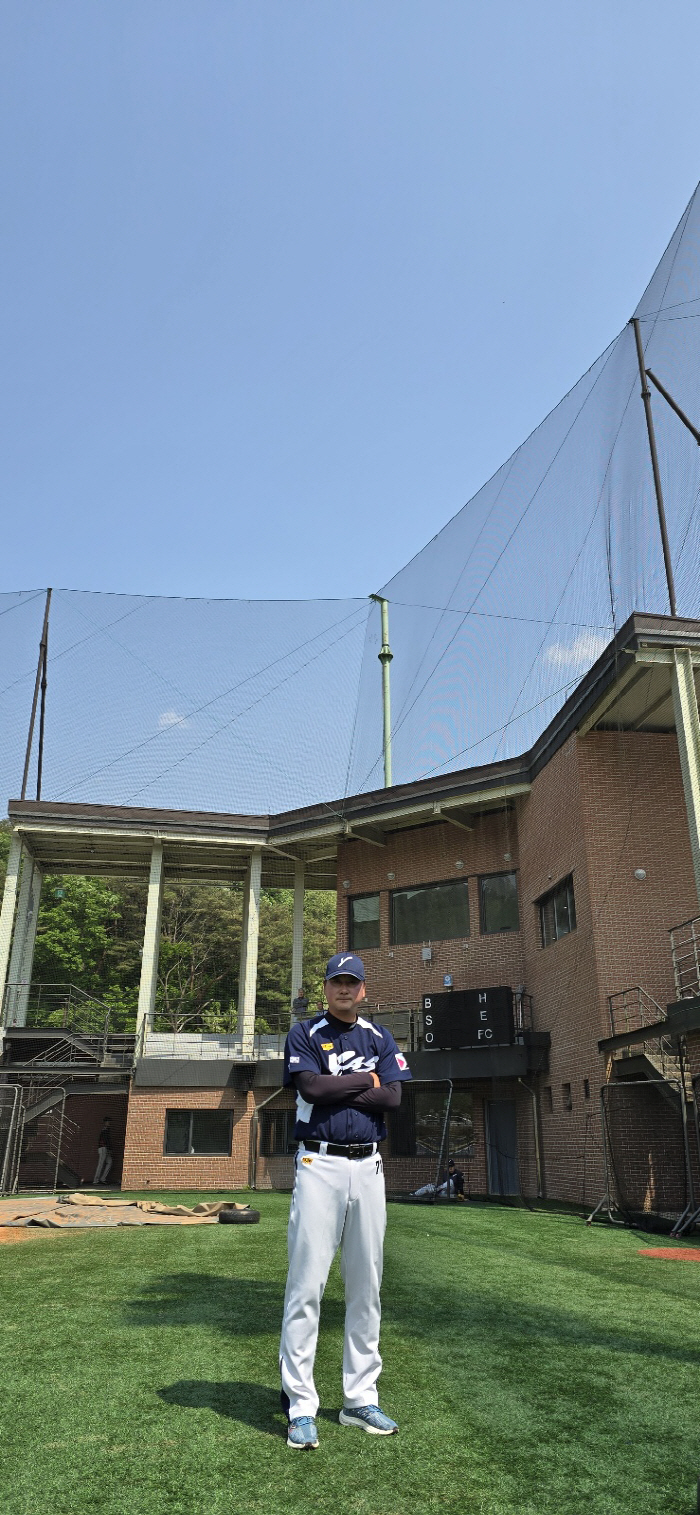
pixel 347 1072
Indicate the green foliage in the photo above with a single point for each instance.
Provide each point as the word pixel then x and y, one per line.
pixel 90 933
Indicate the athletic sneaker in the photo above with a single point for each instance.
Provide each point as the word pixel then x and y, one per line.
pixel 369 1418
pixel 302 1433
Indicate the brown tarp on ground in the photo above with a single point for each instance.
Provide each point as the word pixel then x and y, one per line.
pixel 74 1211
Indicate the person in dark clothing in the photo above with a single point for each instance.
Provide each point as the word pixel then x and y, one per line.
pixel 455 1180
pixel 104 1152
pixel 300 1005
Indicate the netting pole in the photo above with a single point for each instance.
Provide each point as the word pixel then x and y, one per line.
pixel 385 656
pixel 40 671
pixel 646 396
pixel 297 933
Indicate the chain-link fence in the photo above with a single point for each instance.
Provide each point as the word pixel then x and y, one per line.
pixel 648 1174
pixel 433 1124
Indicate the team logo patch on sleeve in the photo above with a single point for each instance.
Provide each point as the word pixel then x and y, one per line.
pixel 401 1060
pixel 293 1059
pixel 326 1046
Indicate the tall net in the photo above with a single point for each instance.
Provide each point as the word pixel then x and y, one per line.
pixel 263 706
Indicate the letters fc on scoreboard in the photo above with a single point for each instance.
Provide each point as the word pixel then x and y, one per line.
pixel 468 1018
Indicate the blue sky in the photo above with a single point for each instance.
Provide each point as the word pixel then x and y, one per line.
pixel 284 283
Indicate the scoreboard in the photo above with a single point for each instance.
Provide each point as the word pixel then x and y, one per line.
pixel 468 1018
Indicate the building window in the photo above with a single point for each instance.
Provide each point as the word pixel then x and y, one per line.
pixel 586 1089
pixel 431 913
pixel 558 912
pixel 277 1132
pixel 193 1133
pixel 364 921
pixel 566 1096
pixel 498 895
pixel 549 1102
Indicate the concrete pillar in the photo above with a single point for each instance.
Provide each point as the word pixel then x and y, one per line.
pixel 298 929
pixel 151 946
pixel 248 976
pixel 22 956
pixel 7 912
pixel 685 707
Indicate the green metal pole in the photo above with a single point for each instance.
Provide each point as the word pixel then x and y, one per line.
pixel 385 656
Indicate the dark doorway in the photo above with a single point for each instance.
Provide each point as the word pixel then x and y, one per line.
pixel 502 1146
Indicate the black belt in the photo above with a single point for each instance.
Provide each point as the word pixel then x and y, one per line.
pixel 354 1150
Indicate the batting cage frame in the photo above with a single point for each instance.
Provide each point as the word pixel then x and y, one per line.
pixel 33 1126
pixel 648 1172
pixel 433 1124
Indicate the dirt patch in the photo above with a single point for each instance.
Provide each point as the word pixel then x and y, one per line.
pixel 20 1233
pixel 672 1254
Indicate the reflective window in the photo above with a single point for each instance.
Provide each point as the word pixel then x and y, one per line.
pixel 431 913
pixel 499 902
pixel 195 1132
pixel 364 921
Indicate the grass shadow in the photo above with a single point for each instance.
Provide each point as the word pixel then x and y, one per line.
pixel 235 1306
pixel 252 1404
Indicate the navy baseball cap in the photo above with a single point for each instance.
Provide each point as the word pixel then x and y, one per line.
pixel 345 962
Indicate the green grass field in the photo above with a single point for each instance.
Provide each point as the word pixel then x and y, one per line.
pixel 534 1366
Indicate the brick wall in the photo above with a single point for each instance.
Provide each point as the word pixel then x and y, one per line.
pixel 605 805
pixel 147 1167
pixel 426 855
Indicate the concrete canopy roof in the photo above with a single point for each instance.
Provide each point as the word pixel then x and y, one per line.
pixel 628 688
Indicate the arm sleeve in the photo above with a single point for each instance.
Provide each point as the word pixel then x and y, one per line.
pixel 328 1089
pixel 386 1097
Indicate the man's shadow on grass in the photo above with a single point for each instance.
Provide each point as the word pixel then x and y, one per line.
pixel 253 1404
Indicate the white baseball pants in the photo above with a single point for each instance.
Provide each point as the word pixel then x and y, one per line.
pixel 336 1202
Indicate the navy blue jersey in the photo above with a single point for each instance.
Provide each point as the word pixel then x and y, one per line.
pixel 327 1045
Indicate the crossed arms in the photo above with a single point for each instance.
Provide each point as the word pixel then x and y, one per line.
pixel 360 1091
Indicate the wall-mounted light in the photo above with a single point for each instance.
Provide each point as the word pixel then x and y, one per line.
pixel 459 863
pixel 640 873
pixel 346 883
pixel 506 857
pixel 391 875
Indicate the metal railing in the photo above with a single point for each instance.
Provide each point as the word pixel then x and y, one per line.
pixel 685 952
pixel 404 1020
pixel 83 1025
pixel 631 1010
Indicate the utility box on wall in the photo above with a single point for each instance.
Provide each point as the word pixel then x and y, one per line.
pixel 468 1018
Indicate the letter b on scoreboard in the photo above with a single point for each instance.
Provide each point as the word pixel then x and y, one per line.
pixel 468 1018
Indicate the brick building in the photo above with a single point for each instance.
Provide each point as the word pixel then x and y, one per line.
pixel 554 877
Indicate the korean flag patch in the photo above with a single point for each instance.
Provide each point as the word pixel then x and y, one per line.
pixel 401 1061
